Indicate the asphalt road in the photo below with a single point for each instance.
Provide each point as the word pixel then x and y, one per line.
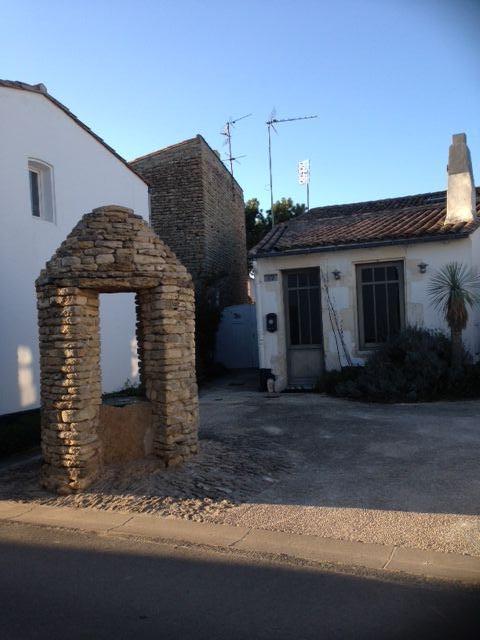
pixel 60 584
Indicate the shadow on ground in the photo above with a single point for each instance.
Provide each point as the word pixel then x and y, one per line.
pixel 314 454
pixel 81 586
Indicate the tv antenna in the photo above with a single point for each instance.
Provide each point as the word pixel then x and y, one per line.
pixel 227 132
pixel 271 122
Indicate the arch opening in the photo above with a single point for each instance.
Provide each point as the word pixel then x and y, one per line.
pixel 109 251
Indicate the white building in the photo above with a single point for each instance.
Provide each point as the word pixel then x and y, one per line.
pixel 336 282
pixel 53 169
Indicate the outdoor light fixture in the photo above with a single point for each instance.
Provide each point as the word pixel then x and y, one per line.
pixel 422 267
pixel 336 274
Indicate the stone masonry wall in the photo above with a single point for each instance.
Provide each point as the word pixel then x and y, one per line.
pixel 177 202
pixel 224 221
pixel 198 210
pixel 112 250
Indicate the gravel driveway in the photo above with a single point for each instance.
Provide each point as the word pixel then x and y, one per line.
pixel 400 474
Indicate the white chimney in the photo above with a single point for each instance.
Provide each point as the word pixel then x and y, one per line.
pixel 461 196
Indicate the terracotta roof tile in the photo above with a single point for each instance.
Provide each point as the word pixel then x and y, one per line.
pixel 395 220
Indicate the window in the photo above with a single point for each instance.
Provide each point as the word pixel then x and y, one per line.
pixel 41 190
pixel 303 296
pixel 34 192
pixel 380 302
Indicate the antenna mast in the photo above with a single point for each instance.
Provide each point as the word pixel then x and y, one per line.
pixel 227 132
pixel 271 125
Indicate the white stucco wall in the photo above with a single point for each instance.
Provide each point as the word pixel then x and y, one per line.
pixel 86 175
pixel 418 310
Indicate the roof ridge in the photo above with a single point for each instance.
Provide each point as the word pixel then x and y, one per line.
pixel 389 199
pixel 365 203
pixel 397 225
pixel 201 140
pixel 163 149
pixel 41 89
pixel 381 211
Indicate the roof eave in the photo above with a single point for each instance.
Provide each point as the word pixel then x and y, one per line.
pixel 22 86
pixel 361 245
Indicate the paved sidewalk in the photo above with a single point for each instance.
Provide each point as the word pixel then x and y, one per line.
pixel 312 549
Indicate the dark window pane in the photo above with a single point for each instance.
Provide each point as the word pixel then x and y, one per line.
pixel 315 316
pixel 304 307
pixel 292 280
pixel 381 312
pixel 302 279
pixel 293 317
pixel 393 308
pixel 303 297
pixel 368 314
pixel 34 194
pixel 392 273
pixel 367 275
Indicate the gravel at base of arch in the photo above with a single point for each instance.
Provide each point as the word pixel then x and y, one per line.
pixel 219 478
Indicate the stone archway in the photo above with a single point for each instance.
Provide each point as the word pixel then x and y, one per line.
pixel 113 250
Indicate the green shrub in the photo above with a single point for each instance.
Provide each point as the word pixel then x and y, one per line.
pixel 129 389
pixel 331 379
pixel 412 367
pixel 466 385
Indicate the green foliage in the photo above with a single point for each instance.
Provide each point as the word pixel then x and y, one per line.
pixel 255 223
pixel 466 384
pixel 412 367
pixel 129 388
pixel 258 223
pixel 284 210
pixel 331 379
pixel 452 289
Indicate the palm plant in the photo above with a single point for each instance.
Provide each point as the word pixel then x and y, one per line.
pixel 452 290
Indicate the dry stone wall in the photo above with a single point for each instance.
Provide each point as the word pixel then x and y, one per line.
pixel 113 250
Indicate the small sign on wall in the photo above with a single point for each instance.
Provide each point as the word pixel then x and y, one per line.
pixel 270 277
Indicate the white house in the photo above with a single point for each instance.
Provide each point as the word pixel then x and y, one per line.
pixel 336 282
pixel 53 169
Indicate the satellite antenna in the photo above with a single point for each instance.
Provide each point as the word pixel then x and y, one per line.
pixel 227 132
pixel 271 122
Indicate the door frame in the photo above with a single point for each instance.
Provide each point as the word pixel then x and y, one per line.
pixel 288 346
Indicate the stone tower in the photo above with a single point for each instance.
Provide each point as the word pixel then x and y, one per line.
pixel 197 209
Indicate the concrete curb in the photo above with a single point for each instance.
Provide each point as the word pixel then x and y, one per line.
pixel 430 564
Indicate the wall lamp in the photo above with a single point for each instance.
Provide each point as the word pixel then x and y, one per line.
pixel 422 267
pixel 337 274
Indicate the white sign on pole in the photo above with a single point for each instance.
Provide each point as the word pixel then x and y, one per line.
pixel 304 172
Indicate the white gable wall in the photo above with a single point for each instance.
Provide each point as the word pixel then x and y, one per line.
pixel 418 310
pixel 86 175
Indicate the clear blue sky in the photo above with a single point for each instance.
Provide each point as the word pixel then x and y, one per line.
pixel 390 80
